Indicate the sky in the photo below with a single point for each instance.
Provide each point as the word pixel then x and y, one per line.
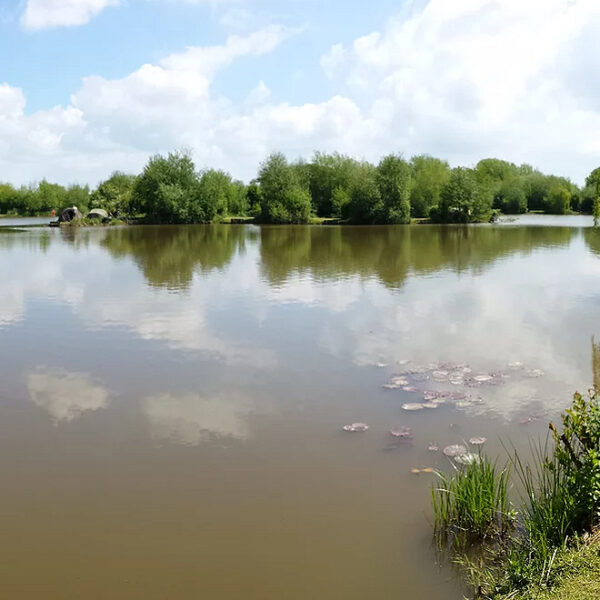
pixel 92 86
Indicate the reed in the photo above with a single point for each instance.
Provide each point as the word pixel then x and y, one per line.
pixel 472 504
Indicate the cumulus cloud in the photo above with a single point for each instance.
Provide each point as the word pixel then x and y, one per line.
pixel 461 80
pixel 44 14
pixel 472 78
pixel 64 395
pixel 191 419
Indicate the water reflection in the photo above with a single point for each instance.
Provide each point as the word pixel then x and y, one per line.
pixel 592 239
pixel 596 363
pixel 190 419
pixel 391 253
pixel 169 256
pixel 266 341
pixel 65 396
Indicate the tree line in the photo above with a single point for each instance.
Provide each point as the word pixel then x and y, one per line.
pixel 171 190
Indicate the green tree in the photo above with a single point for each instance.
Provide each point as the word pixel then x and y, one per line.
pixel 254 198
pixel 496 170
pixel 283 199
pixel 213 196
pixel 512 197
pixel 464 198
pixel 365 205
pixel 238 200
pixel 328 173
pixel 428 176
pixel 114 194
pixel 593 183
pixel 393 178
pixel 166 188
pixel 558 201
pixel 339 200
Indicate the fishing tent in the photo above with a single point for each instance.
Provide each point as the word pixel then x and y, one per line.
pixel 70 214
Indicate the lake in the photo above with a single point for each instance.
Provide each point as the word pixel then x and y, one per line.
pixel 172 398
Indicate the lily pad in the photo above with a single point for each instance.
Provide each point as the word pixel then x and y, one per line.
pixel 401 432
pixel 356 427
pixel 533 373
pixel 477 441
pixel 440 375
pixel 430 404
pixel 482 378
pixel 456 380
pixel 467 459
pixel 419 376
pixel 413 406
pixel 455 450
pixel 463 404
pixel 411 389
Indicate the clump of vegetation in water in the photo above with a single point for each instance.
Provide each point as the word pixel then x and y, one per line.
pixel 560 506
pixel 472 504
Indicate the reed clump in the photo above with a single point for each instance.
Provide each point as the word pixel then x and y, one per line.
pixel 518 552
pixel 471 505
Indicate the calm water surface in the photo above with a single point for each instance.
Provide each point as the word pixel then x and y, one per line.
pixel 172 398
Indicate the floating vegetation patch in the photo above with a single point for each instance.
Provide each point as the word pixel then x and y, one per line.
pixel 467 459
pixel 477 441
pixel 356 427
pixel 455 450
pixel 401 432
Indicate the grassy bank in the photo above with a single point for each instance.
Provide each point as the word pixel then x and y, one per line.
pixel 524 531
pixel 92 223
pixel 575 576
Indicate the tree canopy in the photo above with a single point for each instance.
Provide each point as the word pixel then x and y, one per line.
pixel 171 189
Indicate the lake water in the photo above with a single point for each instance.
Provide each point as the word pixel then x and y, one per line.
pixel 172 399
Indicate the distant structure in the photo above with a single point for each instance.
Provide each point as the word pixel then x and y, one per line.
pixel 70 214
pixel 98 213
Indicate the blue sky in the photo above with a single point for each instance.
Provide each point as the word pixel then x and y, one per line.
pixel 89 86
pixel 49 64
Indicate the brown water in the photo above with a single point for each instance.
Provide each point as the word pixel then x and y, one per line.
pixel 171 399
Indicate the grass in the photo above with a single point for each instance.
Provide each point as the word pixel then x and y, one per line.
pixel 92 223
pixel 542 556
pixel 575 575
pixel 471 505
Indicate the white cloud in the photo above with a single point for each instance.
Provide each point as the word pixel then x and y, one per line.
pixel 461 80
pixel 45 14
pixel 191 419
pixel 473 78
pixel 64 395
